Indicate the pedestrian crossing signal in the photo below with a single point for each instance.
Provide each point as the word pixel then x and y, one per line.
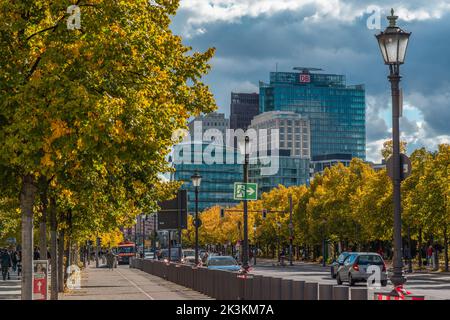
pixel 264 213
pixel 222 213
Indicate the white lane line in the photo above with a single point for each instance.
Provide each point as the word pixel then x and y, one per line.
pixel 134 284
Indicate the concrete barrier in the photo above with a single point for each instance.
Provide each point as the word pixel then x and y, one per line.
pixel 311 291
pixel 275 289
pixel 359 294
pixel 325 292
pixel 340 293
pixel 286 289
pixel 298 290
pixel 265 288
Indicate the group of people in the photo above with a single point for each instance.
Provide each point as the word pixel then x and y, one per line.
pixel 10 259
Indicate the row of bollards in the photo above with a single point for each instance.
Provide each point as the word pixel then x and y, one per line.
pixel 223 285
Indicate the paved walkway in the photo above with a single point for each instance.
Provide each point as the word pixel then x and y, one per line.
pixel 10 289
pixel 124 283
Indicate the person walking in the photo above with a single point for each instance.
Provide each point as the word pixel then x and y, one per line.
pixel 110 258
pixel 14 260
pixel 430 252
pixel 5 262
pixel 19 263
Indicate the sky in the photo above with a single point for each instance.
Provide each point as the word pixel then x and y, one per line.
pixel 252 37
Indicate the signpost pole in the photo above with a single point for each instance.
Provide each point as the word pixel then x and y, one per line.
pixel 291 233
pixel 245 248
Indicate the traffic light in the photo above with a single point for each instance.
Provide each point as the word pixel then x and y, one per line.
pixel 222 213
pixel 264 213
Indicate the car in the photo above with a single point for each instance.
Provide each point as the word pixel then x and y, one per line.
pixel 226 263
pixel 337 263
pixel 174 255
pixel 149 255
pixel 188 253
pixel 355 268
pixel 189 260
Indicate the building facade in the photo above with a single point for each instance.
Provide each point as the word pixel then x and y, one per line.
pixel 294 152
pixel 209 121
pixel 336 110
pixel 243 108
pixel 218 179
pixel 294 131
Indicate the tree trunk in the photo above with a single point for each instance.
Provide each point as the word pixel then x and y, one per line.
pixel 446 248
pixel 61 261
pixel 43 224
pixel 27 196
pixel 53 250
pixel 420 248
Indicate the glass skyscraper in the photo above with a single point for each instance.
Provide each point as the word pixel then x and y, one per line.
pixel 218 179
pixel 336 110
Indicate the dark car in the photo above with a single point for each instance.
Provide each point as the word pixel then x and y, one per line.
pixel 174 255
pixel 356 268
pixel 339 262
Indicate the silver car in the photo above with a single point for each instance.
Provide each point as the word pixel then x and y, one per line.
pixel 355 268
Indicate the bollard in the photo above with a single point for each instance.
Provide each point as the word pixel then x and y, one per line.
pixel 340 293
pixel 359 294
pixel 325 291
pixel 275 289
pixel 311 289
pixel 256 288
pixel 286 289
pixel 298 290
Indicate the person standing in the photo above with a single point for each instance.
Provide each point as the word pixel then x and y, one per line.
pixel 5 262
pixel 36 254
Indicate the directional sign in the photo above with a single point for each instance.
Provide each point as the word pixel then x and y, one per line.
pixel 245 191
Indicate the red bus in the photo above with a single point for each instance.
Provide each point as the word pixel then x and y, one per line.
pixel 125 250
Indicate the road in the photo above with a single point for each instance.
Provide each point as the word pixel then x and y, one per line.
pixel 435 286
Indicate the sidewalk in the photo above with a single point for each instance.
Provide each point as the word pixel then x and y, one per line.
pixel 124 283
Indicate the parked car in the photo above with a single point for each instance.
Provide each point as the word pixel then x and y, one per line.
pixel 174 255
pixel 226 263
pixel 337 263
pixel 355 267
pixel 149 255
pixel 188 253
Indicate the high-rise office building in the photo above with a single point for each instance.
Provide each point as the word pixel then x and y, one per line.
pixel 336 110
pixel 211 120
pixel 218 179
pixel 243 108
pixel 292 156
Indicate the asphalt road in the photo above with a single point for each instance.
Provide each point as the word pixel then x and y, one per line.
pixel 434 286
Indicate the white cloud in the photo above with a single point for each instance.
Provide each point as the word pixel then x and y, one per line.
pixel 207 11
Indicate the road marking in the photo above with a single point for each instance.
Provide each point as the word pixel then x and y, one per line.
pixel 134 284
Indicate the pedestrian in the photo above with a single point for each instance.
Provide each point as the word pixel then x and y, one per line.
pixel 14 260
pixel 110 258
pixel 5 261
pixel 430 252
pixel 19 263
pixel 36 254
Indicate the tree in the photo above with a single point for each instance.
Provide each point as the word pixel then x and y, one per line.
pixel 106 97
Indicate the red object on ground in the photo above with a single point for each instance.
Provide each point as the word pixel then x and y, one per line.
pixel 399 293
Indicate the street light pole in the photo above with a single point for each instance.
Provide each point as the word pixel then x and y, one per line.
pixel 245 247
pixel 393 43
pixel 143 235
pixel 255 249
pixel 196 180
pixel 154 235
pixel 291 231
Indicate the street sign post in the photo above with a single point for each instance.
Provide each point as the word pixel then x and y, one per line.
pixel 40 277
pixel 405 166
pixel 245 191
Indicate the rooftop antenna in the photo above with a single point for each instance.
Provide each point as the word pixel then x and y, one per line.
pixel 307 70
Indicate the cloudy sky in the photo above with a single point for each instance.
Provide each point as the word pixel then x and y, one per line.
pixel 253 36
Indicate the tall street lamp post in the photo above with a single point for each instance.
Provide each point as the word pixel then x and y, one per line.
pixel 196 181
pixel 246 161
pixel 154 234
pixel 255 249
pixel 393 43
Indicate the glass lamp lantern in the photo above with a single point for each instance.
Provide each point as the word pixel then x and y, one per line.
pixel 393 42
